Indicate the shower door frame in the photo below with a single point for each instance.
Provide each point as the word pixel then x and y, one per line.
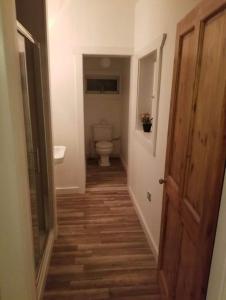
pixel 51 229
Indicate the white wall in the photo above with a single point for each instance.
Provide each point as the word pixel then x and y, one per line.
pixel 16 255
pixel 217 281
pixel 73 26
pixel 101 23
pixel 62 85
pixel 152 19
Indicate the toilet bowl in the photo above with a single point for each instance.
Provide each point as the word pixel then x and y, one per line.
pixel 104 149
pixel 102 137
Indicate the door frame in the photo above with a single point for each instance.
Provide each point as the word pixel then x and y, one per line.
pixel 79 54
pixel 210 8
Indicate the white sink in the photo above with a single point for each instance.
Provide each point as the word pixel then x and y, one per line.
pixel 59 153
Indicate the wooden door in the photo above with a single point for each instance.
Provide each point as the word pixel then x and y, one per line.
pixel 196 152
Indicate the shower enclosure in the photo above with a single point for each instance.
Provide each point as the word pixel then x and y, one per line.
pixel 36 142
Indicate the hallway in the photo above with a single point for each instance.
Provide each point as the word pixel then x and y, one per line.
pixel 101 251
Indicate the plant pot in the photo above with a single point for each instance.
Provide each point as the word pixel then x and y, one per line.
pixel 147 127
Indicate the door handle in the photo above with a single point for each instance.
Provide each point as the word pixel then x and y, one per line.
pixel 162 181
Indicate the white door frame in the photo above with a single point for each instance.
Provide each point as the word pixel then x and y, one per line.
pixel 79 53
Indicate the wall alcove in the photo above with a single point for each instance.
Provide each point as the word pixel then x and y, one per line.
pixel 149 62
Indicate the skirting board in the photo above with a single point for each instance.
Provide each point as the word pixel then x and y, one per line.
pixel 148 234
pixel 67 190
pixel 41 278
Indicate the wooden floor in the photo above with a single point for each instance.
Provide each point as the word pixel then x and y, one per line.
pixel 101 251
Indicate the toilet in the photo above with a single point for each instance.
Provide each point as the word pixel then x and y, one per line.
pixel 102 136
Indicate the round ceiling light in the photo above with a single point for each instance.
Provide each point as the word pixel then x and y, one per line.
pixel 105 62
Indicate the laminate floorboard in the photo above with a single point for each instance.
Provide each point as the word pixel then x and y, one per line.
pixel 101 251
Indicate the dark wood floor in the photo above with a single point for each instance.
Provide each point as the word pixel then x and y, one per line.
pixel 101 251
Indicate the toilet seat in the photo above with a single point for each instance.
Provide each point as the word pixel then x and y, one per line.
pixel 104 145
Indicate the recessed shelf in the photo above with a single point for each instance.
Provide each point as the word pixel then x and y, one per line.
pixel 149 62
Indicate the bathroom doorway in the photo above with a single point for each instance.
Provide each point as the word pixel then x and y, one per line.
pixel 106 118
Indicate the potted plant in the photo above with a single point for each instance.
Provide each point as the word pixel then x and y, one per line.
pixel 146 121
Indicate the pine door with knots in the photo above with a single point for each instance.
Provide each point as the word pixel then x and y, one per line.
pixel 196 152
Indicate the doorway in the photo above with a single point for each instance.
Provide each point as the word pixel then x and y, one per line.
pixel 106 112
